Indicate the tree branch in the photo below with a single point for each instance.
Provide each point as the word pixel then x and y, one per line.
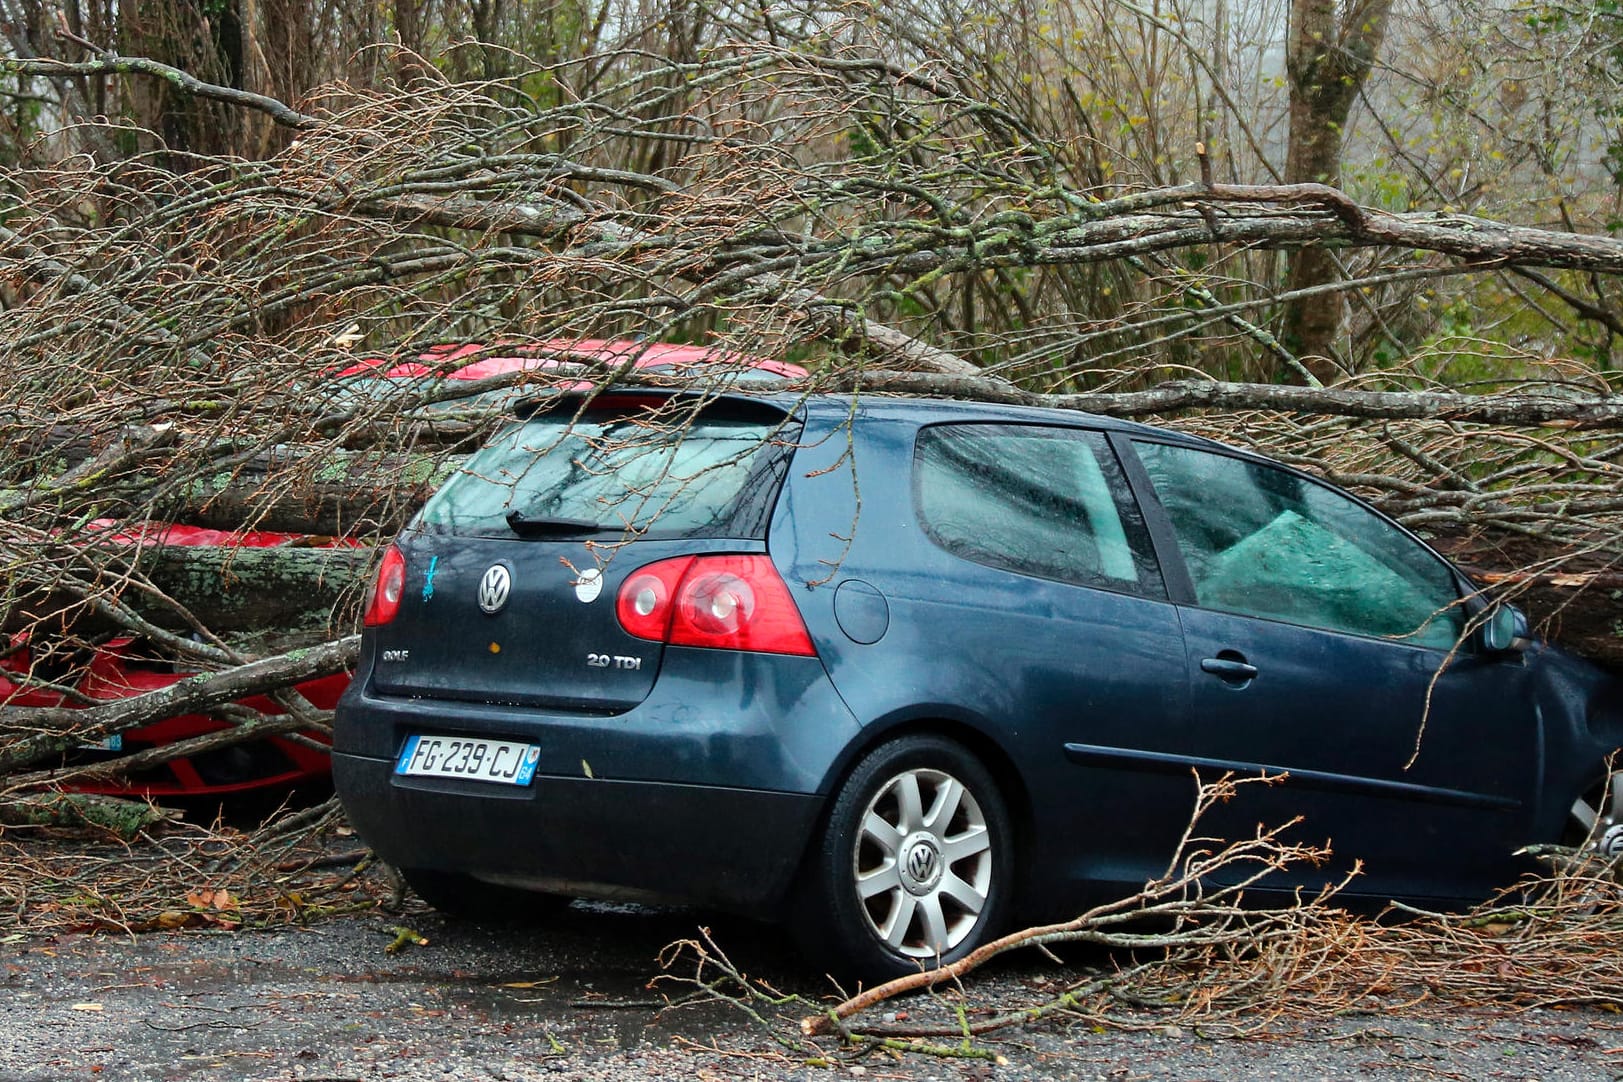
pixel 1507 408
pixel 108 63
pixel 188 696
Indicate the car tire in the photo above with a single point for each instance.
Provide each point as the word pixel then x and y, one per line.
pixel 914 867
pixel 466 898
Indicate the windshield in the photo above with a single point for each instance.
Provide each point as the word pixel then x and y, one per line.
pixel 555 476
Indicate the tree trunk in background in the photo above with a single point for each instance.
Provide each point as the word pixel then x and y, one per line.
pixel 279 59
pixel 410 23
pixel 1328 54
pixel 179 33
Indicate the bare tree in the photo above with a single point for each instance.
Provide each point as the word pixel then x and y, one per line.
pixel 174 324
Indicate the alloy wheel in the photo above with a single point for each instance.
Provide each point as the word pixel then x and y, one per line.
pixel 923 863
pixel 1597 819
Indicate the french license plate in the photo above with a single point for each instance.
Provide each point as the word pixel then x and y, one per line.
pixel 502 761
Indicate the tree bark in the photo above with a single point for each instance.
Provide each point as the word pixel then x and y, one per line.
pixel 1327 59
pixel 126 818
pixel 1176 396
pixel 308 592
pixel 311 491
pixel 243 589
pixel 256 729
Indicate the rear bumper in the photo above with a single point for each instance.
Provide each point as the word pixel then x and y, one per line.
pixel 732 848
pixel 706 792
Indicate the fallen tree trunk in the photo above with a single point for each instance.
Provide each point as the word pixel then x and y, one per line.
pixel 295 590
pixel 1581 611
pixel 1515 408
pixel 126 818
pixel 311 489
pixel 1572 593
pixel 254 728
pixel 366 508
pixel 244 589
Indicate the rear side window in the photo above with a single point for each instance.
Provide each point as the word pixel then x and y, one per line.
pixel 618 472
pixel 1050 502
pixel 1262 541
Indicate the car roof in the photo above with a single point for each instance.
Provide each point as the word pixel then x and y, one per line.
pixel 922 411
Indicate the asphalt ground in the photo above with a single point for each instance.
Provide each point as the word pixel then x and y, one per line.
pixel 577 998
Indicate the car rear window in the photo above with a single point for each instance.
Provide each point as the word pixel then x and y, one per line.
pixel 618 471
pixel 1049 502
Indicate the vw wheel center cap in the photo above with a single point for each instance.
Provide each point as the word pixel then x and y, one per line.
pixel 921 864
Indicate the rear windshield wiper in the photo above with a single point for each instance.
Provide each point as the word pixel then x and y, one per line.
pixel 524 526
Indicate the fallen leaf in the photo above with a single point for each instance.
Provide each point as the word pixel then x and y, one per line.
pixel 587 767
pixel 527 984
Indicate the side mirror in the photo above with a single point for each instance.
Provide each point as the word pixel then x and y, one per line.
pixel 1504 630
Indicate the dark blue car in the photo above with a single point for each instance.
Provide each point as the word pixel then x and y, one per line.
pixel 901 672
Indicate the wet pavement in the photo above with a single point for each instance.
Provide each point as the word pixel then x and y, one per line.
pixel 573 999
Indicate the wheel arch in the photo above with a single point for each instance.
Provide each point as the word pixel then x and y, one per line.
pixel 974 738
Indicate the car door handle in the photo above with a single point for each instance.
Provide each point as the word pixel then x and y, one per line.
pixel 1229 668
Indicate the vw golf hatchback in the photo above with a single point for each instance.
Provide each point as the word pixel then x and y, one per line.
pixel 900 672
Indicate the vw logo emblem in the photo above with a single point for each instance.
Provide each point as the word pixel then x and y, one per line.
pixel 921 863
pixel 494 588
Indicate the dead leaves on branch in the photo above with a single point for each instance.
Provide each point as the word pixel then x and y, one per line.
pixel 299 869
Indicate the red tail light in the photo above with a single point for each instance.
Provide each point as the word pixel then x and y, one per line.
pixel 383 601
pixel 723 602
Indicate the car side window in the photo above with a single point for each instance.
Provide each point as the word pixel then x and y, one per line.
pixel 1261 541
pixel 1050 502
